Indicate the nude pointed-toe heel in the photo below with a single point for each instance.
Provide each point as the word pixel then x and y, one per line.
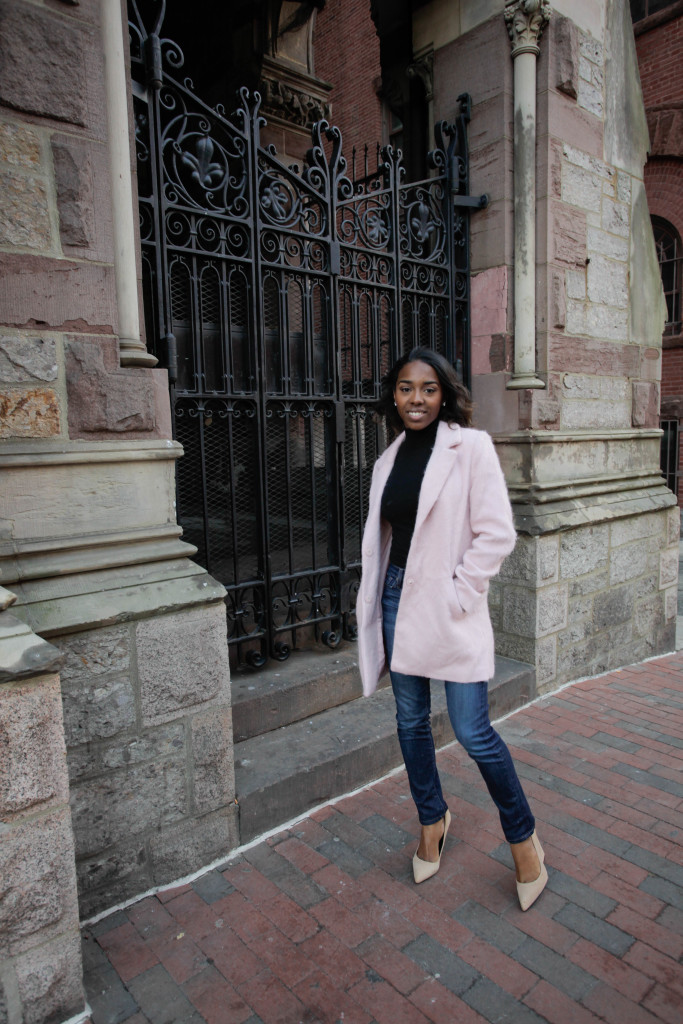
pixel 424 869
pixel 528 892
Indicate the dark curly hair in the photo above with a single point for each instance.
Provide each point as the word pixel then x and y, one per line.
pixel 458 407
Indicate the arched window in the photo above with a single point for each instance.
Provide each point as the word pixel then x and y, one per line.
pixel 670 257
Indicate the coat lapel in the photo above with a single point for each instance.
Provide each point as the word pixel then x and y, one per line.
pixel 438 468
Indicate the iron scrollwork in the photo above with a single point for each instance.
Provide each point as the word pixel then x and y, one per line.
pixel 287 293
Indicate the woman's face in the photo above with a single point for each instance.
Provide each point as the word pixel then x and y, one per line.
pixel 418 395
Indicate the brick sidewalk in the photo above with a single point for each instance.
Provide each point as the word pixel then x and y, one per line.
pixel 323 923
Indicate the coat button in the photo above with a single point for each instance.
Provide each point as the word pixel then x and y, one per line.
pixel 368 600
pixel 410 581
pixel 369 553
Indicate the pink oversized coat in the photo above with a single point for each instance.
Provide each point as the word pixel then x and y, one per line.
pixel 463 531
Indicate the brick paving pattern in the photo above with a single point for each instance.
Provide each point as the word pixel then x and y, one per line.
pixel 323 923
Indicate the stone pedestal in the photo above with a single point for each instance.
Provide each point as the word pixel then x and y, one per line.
pixel 40 953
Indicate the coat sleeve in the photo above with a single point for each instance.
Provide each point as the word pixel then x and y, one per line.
pixel 491 523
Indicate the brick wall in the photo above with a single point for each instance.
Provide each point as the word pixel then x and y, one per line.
pixel 346 50
pixel 660 59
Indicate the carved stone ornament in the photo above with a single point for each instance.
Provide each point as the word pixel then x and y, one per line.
pixel 526 20
pixel 291 105
pixel 423 68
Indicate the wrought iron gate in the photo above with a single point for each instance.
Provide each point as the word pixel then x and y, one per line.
pixel 278 298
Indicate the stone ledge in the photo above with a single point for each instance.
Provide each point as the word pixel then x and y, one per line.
pixel 22 653
pixel 556 516
pixel 40 452
pixel 103 598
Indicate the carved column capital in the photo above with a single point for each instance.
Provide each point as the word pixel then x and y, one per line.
pixel 423 68
pixel 526 20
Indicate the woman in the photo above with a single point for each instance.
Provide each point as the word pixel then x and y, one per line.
pixel 439 526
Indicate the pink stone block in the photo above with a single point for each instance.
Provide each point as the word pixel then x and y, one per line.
pixel 489 302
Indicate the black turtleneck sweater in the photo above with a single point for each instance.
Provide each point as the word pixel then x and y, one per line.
pixel 402 491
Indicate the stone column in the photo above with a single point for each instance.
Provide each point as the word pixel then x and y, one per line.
pixel 40 952
pixel 131 348
pixel 526 20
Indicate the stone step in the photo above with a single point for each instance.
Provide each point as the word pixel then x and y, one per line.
pixel 284 773
pixel 285 692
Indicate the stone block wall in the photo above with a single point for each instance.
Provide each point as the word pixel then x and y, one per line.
pixel 586 600
pixel 88 535
pixel 40 954
pixel 148 729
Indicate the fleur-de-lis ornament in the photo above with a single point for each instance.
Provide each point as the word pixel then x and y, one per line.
pixel 205 172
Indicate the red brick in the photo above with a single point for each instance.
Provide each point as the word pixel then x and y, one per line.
pixel 152 919
pixel 665 1004
pixel 440 926
pixel 542 928
pixel 127 951
pixel 301 855
pixel 329 1004
pixel 631 982
pixel 392 965
pixel 193 915
pixel 334 959
pixel 343 887
pixel 347 926
pixel 622 892
pixel 657 966
pixel 507 973
pixel 166 895
pixel 284 959
pixel 442 1006
pixel 180 956
pixel 292 921
pixel 385 1004
pixel 251 883
pixel 557 1008
pixel 648 931
pixel 215 999
pixel 615 1008
pixel 394 894
pixel 230 956
pixel 272 1001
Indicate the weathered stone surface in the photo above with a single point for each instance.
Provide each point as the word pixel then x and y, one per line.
pixel 97 710
pixel 597 321
pixel 546 661
pixel 52 82
pixel 649 616
pixel 670 606
pixel 20 145
pixel 183 662
pixel 92 654
pixel 32 767
pixel 668 567
pixel 606 244
pixel 613 607
pixel 73 175
pixel 608 282
pixel 615 218
pixel 629 562
pixel 50 981
pixel 214 772
pixel 588 386
pixel 645 411
pixel 596 414
pixel 188 847
pixel 164 742
pixel 37 881
pixel 568 235
pixel 558 301
pixel 666 131
pixel 590 86
pixel 674 525
pixel 583 551
pixel 125 803
pixel 638 527
pixel 101 400
pixel 33 412
pixel 26 358
pixel 534 613
pixel 24 212
pixel 582 187
pixel 565 52
pixel 112 876
pixel 60 294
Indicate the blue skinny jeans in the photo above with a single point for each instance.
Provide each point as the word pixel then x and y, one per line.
pixel 468 711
